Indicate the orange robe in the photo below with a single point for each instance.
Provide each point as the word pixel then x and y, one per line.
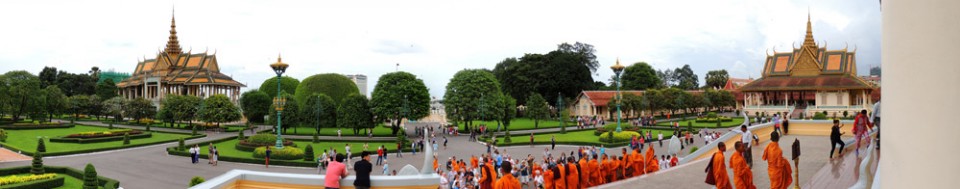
pixel 507 182
pixel 456 166
pixel 489 174
pixel 584 173
pixel 616 167
pixel 742 175
pixel 637 163
pixel 605 171
pixel 561 183
pixel 573 176
pixel 594 168
pixel 548 180
pixel 435 164
pixel 652 163
pixel 473 162
pixel 720 171
pixel 777 167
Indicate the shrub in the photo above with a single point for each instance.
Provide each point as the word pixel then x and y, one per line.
pixel 15 179
pixel 110 125
pixel 316 138
pixel 3 135
pixel 287 153
pixel 126 138
pixel 196 180
pixel 90 180
pixel 307 153
pixel 623 136
pixel 108 133
pixel 506 138
pixel 712 115
pixel 181 146
pixel 261 140
pixel 148 127
pixel 820 116
pixel 194 132
pixel 694 149
pixel 336 86
pixel 240 135
pixel 40 146
pixel 37 167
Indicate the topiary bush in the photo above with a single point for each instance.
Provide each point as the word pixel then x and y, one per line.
pixel 287 84
pixel 196 180
pixel 40 146
pixel 194 132
pixel 90 180
pixel 336 86
pixel 240 135
pixel 712 115
pixel 3 135
pixel 287 153
pixel 506 138
pixel 624 136
pixel 307 153
pixel 126 138
pixel 180 145
pixel 820 116
pixel 37 167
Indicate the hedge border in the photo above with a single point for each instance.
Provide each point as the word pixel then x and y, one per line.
pixel 174 151
pixel 107 183
pixel 101 139
pixel 31 127
pixel 226 128
pixel 56 181
pixel 50 154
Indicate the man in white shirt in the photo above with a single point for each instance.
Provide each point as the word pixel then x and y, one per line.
pixel 660 139
pixel 747 138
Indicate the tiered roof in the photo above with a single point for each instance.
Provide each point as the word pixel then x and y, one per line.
pixel 175 67
pixel 809 67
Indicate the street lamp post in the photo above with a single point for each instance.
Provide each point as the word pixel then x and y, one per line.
pixel 279 67
pixel 617 69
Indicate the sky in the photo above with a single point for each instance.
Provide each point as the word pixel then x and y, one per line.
pixel 430 39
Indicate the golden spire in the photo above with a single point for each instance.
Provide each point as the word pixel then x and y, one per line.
pixel 173 45
pixel 808 40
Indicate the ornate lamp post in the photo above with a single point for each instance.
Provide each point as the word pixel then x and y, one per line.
pixel 279 67
pixel 617 69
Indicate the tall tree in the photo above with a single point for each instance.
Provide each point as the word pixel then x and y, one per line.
pixel 640 76
pixel 566 71
pixel 218 109
pixel 48 76
pixel 673 99
pixel 584 52
pixel 289 115
pixel 509 110
pixel 77 104
pixel 537 109
pixel 114 107
pixel 462 100
pixel 319 111
pixel 22 87
pixel 106 89
pixel 400 95
pixel 180 108
pixel 875 71
pixel 288 84
pixel 76 84
pixel 686 79
pixel 55 101
pixel 717 78
pixel 355 112
pixel 656 100
pixel 94 107
pixel 255 104
pixel 334 85
pixel 140 108
pixel 668 78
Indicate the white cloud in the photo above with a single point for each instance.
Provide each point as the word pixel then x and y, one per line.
pixel 432 39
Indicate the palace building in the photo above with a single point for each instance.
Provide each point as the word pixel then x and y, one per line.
pixel 808 80
pixel 176 72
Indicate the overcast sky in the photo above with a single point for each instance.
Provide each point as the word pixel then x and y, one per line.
pixel 431 39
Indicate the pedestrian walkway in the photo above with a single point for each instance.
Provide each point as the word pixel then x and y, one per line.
pixel 10 156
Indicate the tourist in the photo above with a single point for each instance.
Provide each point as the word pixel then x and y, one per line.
pixel 347 151
pixel 835 138
pixel 380 155
pixel 210 153
pixel 385 167
pixel 786 126
pixel 660 139
pixel 553 141
pixel 399 149
pixel 363 169
pixel 394 173
pixel 746 137
pixel 413 147
pixel 445 142
pixel 338 133
pixel 215 155
pixel 322 161
pixel 336 171
pixel 267 157
pixel 776 123
pixel 531 139
pixel 777 167
pixel 742 175
pixel 193 155
pixel 861 126
pixel 718 170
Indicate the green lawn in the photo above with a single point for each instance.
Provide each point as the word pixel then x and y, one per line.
pixel 585 136
pixel 380 130
pixel 27 139
pixel 227 148
pixel 520 124
pixel 736 122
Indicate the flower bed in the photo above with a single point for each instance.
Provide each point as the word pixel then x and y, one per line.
pixel 106 183
pixel 714 120
pixel 287 153
pixel 261 140
pixel 624 136
pixel 47 125
pixel 98 139
pixel 17 179
pixel 99 134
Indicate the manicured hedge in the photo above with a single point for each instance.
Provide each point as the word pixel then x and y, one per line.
pixel 618 137
pixel 101 139
pixel 287 153
pixel 173 151
pixel 32 126
pixel 49 154
pixel 105 182
pixel 56 181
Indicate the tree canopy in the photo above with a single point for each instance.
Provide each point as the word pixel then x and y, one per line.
pixel 397 90
pixel 140 108
pixel 537 109
pixel 114 107
pixel 355 113
pixel 462 100
pixel 686 79
pixel 717 78
pixel 181 108
pixel 639 76
pixel 319 111
pixel 54 101
pixel 289 115
pixel 565 71
pixel 255 104
pixel 21 90
pixel 335 86
pixel 287 84
pixel 106 89
pixel 218 109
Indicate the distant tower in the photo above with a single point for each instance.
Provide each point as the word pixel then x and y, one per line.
pixel 361 81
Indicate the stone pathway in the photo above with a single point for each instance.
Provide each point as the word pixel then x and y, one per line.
pixel 10 156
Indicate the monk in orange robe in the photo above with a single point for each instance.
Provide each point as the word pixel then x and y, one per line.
pixel 435 164
pixel 573 175
pixel 455 165
pixel 474 162
pixel 561 182
pixel 638 168
pixel 487 175
pixel 627 164
pixel 653 164
pixel 584 172
pixel 548 178
pixel 742 175
pixel 595 171
pixel 615 169
pixel 507 181
pixel 777 167
pixel 719 169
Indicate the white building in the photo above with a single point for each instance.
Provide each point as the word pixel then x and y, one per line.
pixel 361 81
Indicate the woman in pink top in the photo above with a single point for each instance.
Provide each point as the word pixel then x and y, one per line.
pixel 335 171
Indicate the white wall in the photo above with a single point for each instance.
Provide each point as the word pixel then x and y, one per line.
pixel 919 58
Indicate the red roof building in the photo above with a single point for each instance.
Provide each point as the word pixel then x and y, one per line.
pixel 594 103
